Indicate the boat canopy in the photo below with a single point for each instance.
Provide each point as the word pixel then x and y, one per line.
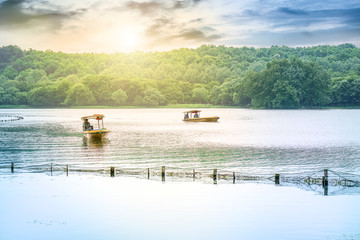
pixel 193 111
pixel 95 116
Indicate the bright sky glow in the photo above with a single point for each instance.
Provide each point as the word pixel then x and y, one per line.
pixel 156 25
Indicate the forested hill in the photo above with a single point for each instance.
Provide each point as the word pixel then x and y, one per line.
pixel 276 77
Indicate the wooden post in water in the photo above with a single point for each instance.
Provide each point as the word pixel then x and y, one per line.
pixel 325 181
pixel 215 176
pixel 234 178
pixel 12 167
pixel 148 173
pixel 67 170
pixel 277 178
pixel 194 174
pixel 112 172
pixel 51 169
pixel 326 189
pixel 163 173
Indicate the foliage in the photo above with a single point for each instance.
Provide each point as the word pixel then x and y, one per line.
pixel 119 97
pixel 289 84
pixel 80 95
pixel 346 90
pixel 153 98
pixel 275 77
pixel 200 95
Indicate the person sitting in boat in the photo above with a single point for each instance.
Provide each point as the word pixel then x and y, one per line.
pixel 86 125
pixel 196 115
pixel 186 116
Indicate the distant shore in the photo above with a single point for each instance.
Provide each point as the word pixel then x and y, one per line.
pixel 194 106
pixel 121 107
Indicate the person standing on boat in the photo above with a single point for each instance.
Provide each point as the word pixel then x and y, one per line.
pixel 196 115
pixel 86 125
pixel 186 116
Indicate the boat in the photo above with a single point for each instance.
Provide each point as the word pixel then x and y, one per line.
pixel 94 133
pixel 196 117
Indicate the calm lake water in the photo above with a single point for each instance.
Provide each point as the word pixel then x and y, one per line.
pixel 245 141
pixel 248 142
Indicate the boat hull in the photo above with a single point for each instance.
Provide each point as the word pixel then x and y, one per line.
pixel 202 119
pixel 96 133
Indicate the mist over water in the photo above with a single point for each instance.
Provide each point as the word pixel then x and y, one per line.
pixel 245 141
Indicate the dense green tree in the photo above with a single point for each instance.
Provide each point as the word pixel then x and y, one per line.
pixel 27 79
pixel 51 67
pixel 215 95
pixel 3 80
pixel 275 77
pixel 289 84
pixel 10 72
pixel 79 95
pixel 22 98
pixel 62 89
pixel 9 54
pixel 153 98
pixel 2 93
pixel 286 96
pixel 10 96
pixel 119 97
pixel 346 91
pixel 100 87
pixel 171 91
pixel 200 95
pixel 43 96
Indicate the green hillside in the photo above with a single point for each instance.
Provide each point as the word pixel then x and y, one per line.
pixel 276 77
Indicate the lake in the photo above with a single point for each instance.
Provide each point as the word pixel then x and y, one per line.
pixel 248 142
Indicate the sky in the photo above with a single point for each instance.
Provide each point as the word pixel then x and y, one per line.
pixel 159 25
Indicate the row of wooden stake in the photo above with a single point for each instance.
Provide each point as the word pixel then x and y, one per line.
pixel 215 175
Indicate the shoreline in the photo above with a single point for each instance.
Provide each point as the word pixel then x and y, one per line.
pixel 194 106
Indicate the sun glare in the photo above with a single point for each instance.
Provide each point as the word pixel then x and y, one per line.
pixel 130 39
pixel 127 39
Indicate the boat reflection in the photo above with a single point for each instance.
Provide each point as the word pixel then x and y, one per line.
pixel 95 142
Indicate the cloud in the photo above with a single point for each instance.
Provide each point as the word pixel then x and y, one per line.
pixel 153 7
pixel 159 26
pixel 291 11
pixel 294 19
pixel 305 22
pixel 197 35
pixel 168 29
pixel 19 13
pixel 171 27
pixel 331 36
pixel 146 8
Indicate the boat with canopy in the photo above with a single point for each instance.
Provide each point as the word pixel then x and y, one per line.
pixel 94 133
pixel 194 116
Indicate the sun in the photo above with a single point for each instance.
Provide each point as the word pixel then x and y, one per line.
pixel 121 38
pixel 127 39
pixel 130 39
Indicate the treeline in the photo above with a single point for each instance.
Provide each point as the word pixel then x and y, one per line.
pixel 276 77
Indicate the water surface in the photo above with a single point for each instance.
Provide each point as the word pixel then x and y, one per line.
pixel 248 142
pixel 38 206
pixel 245 141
